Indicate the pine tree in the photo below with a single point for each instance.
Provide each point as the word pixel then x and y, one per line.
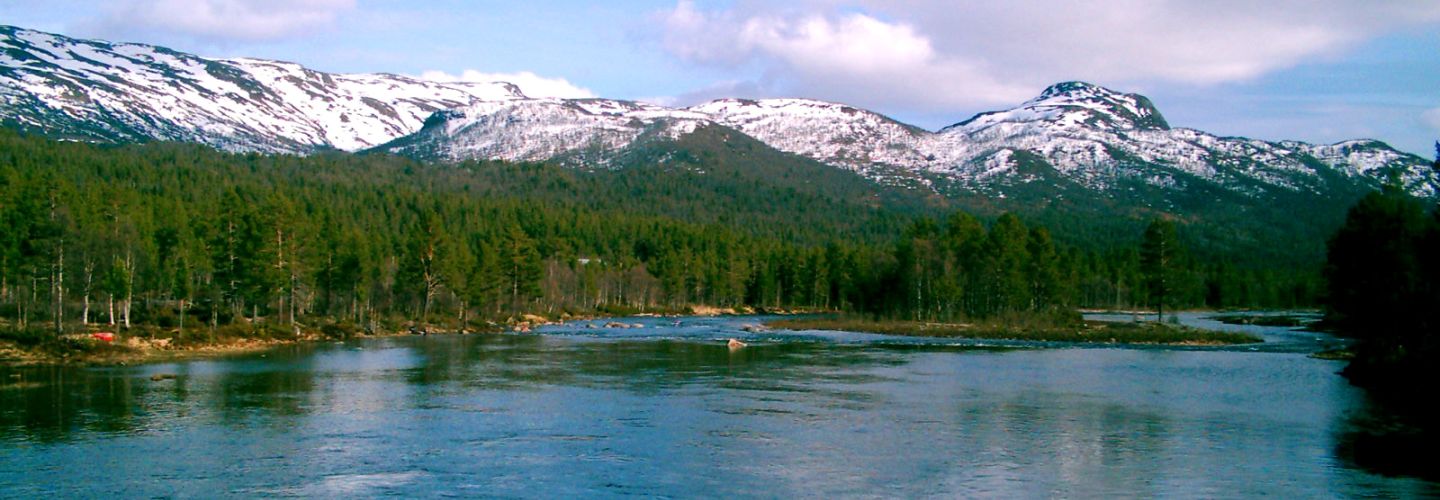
pixel 419 272
pixel 1160 255
pixel 1436 164
pixel 1043 271
pixel 1006 251
pixel 1381 278
pixel 1374 269
pixel 522 267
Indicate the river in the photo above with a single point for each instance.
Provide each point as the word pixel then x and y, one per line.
pixel 668 410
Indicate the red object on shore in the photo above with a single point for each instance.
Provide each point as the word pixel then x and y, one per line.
pixel 104 336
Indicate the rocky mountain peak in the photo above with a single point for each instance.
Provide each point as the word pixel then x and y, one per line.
pixel 1071 105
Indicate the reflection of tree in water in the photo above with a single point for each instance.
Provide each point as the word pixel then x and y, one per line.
pixel 519 361
pixel 49 403
pixel 1392 439
pixel 492 361
pixel 280 387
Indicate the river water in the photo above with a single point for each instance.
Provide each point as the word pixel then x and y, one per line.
pixel 669 410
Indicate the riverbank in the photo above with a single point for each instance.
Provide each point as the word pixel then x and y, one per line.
pixel 1084 331
pixel 141 344
pixel 99 345
pixel 145 343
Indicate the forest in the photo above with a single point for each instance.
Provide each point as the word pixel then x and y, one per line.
pixel 191 240
pixel 1383 289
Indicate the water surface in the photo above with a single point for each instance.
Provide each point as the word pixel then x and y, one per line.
pixel 668 410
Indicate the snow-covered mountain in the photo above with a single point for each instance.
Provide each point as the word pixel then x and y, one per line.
pixel 1073 134
pixel 122 92
pixel 582 132
pixel 831 133
pixel 1093 136
pixel 1073 131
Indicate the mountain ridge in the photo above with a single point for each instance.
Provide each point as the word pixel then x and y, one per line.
pixel 1084 134
pixel 126 92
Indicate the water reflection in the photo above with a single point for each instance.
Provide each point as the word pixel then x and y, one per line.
pixel 1392 438
pixel 666 412
pixel 48 403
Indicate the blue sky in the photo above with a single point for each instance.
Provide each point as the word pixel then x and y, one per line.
pixel 1313 70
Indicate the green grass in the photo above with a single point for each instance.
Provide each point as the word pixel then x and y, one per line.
pixel 1039 330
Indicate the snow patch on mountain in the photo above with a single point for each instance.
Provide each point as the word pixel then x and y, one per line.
pixel 1092 135
pixel 1086 134
pixel 584 131
pixel 131 92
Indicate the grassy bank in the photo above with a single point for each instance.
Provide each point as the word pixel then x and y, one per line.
pixel 145 343
pixel 150 343
pixel 1080 331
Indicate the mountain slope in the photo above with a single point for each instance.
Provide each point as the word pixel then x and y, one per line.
pixel 1073 138
pixel 123 92
pixel 580 132
pixel 1087 134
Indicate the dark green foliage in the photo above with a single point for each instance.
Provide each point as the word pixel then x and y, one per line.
pixel 1382 276
pixel 194 237
pixel 1376 268
pixel 1160 256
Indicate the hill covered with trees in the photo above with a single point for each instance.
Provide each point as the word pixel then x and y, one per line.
pixel 190 239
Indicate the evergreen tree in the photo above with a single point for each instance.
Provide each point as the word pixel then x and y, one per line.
pixel 1376 281
pixel 1008 259
pixel 378 240
pixel 920 266
pixel 1381 275
pixel 1160 256
pixel 964 243
pixel 521 266
pixel 1043 271
pixel 420 269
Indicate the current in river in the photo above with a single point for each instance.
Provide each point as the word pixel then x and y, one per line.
pixel 668 410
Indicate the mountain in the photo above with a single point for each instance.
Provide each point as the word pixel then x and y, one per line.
pixel 869 143
pixel 1072 132
pixel 1078 157
pixel 1074 139
pixel 124 92
pixel 579 132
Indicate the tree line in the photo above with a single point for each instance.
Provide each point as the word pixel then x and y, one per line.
pixel 1383 288
pixel 184 237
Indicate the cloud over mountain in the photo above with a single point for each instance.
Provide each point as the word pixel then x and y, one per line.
pixel 920 54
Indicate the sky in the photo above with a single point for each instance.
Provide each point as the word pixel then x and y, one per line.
pixel 1313 70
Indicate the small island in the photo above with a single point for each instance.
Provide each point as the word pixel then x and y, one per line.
pixel 1103 332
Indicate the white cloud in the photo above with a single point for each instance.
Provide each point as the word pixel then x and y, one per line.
pixel 920 54
pixel 221 20
pixel 852 58
pixel 530 84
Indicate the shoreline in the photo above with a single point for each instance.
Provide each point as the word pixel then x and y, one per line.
pixel 1088 332
pixel 131 349
pixel 144 344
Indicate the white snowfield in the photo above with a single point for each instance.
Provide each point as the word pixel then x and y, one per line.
pixel 1087 134
pixel 135 92
pixel 590 131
